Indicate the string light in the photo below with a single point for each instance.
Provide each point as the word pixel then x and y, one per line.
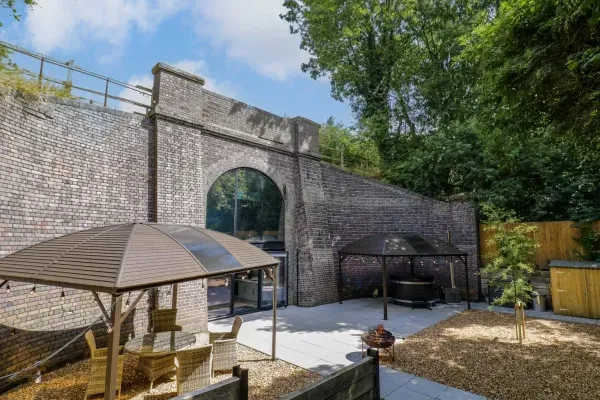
pixel 35 365
pixel 8 288
pixel 32 290
pixel 128 296
pixel 109 328
pixel 38 376
pixel 62 294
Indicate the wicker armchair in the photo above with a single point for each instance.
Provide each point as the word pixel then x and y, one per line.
pixel 193 368
pixel 98 358
pixel 155 367
pixel 225 346
pixel 164 320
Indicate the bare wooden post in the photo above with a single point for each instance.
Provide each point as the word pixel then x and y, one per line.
pixel 275 283
pixel 110 386
pixel 174 298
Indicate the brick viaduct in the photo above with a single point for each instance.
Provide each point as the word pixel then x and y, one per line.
pixel 67 166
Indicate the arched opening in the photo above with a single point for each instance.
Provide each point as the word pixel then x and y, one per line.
pixel 245 203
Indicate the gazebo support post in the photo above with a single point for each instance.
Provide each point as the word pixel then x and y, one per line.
pixel 341 279
pixel 384 264
pixel 174 298
pixel 110 386
pixel 275 283
pixel 465 261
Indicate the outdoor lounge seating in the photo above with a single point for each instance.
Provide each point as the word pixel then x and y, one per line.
pixel 225 346
pixel 193 368
pixel 98 367
pixel 155 367
pixel 164 320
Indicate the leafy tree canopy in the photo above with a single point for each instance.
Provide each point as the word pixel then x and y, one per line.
pixel 352 150
pixel 496 99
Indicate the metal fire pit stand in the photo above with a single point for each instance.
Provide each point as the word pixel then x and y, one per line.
pixel 378 346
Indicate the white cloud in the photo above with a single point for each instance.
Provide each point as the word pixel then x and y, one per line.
pixel 253 33
pixel 197 67
pixel 69 24
pixel 146 81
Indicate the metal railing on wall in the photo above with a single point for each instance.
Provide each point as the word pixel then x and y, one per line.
pixel 338 156
pixel 68 85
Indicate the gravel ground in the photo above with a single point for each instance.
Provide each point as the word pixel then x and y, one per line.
pixel 477 351
pixel 267 380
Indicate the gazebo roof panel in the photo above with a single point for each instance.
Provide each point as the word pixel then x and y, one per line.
pixel 145 262
pixel 138 255
pixel 238 249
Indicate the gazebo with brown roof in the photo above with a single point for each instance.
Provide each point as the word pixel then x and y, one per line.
pixel 129 257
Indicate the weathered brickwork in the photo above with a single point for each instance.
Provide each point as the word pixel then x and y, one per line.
pixel 64 166
pixel 67 166
pixel 361 207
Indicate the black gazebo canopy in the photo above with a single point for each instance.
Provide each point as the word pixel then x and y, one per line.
pixel 387 246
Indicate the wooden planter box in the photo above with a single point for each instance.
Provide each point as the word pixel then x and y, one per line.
pixel 575 288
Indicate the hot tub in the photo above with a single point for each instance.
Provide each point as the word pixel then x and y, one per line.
pixel 413 290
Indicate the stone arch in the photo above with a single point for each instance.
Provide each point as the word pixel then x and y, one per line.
pixel 286 187
pixel 214 171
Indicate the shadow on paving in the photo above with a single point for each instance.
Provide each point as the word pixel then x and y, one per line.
pixel 477 351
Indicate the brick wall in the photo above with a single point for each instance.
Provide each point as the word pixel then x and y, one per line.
pixel 64 166
pixel 68 166
pixel 360 207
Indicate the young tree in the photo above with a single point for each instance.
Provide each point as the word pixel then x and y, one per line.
pixel 512 263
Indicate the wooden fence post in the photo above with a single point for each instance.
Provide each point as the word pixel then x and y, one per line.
pixel 242 374
pixel 375 354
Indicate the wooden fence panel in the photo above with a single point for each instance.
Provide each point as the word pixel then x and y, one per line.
pixel 556 240
pixel 357 381
pixel 234 388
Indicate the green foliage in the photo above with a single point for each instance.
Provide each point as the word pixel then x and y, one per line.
pixel 11 5
pixel 496 99
pixel 359 153
pixel 589 239
pixel 513 262
pixel 259 204
pixel 14 79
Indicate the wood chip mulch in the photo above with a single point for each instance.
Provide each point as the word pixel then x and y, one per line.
pixel 477 351
pixel 267 380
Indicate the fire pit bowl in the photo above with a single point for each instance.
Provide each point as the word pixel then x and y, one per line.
pixel 379 338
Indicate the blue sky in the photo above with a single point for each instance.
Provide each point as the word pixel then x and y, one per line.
pixel 240 47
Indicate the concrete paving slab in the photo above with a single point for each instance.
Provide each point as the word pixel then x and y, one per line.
pixel 406 394
pixel 326 338
pixel 385 388
pixel 424 386
pixel 394 376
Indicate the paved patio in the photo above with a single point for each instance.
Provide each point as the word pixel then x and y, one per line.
pixel 325 338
